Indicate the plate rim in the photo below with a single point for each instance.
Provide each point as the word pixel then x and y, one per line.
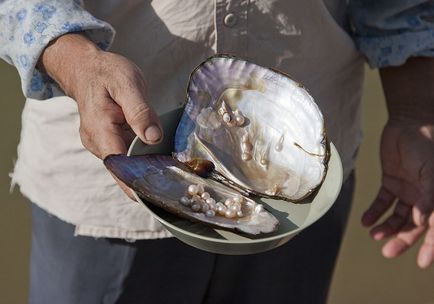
pixel 333 152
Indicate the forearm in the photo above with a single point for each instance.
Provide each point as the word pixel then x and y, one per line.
pixel 409 90
pixel 28 26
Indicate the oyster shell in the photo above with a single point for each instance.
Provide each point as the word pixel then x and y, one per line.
pixel 245 129
pixel 262 130
pixel 164 181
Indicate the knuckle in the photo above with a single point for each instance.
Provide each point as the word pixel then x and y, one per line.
pixel 138 114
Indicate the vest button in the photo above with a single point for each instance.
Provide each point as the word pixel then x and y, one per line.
pixel 230 20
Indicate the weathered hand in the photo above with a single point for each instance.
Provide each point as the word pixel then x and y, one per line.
pixel 407 156
pixel 110 93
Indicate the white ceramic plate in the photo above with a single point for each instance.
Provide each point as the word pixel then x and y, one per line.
pixel 293 218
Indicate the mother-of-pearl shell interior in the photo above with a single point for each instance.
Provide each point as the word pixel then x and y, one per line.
pixel 280 148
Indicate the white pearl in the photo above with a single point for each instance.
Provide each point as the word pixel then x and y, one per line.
pixel 230 213
pixel 229 202
pixel 192 189
pixel 234 207
pixel 239 199
pixel 195 207
pixel 185 201
pixel 226 117
pixel 200 188
pixel 238 205
pixel 264 162
pixel 240 213
pixel 205 195
pixel 210 201
pixel 239 119
pixel 278 147
pixel 210 213
pixel 221 209
pixel 246 156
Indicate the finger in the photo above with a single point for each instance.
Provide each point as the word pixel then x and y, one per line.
pixel 426 252
pixel 139 115
pixel 404 240
pixel 424 206
pixel 420 214
pixel 393 223
pixel 381 204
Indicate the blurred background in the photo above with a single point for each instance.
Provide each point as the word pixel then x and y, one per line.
pixel 362 274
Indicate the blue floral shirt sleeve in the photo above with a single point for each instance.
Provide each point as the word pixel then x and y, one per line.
pixel 28 26
pixel 388 32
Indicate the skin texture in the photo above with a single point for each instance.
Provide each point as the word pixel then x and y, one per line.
pixel 407 157
pixel 110 93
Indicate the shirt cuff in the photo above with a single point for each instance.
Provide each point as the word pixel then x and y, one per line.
pixel 394 50
pixel 35 26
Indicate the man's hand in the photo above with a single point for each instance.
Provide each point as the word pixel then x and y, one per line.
pixel 110 93
pixel 407 156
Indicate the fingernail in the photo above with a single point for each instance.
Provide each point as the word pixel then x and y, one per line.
pixel 153 133
pixel 424 261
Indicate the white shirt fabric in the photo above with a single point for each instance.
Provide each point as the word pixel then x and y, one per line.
pixel 167 39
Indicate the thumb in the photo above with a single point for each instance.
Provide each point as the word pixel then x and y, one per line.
pixel 140 116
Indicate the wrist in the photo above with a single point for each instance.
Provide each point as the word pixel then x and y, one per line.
pixel 408 91
pixel 65 58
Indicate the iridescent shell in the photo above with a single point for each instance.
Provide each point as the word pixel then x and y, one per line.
pixel 163 181
pixel 261 129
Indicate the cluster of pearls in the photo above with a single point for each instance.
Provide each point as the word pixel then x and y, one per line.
pixel 231 208
pixel 201 201
pixel 246 148
pixel 230 118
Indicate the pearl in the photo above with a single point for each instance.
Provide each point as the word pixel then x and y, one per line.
pixel 264 162
pixel 239 199
pixel 221 209
pixel 200 188
pixel 196 198
pixel 205 207
pixel 245 138
pixel 185 201
pixel 226 117
pixel 210 213
pixel 195 207
pixel 246 156
pixel 205 195
pixel 240 213
pixel 279 145
pixel 210 201
pixel 229 202
pixel 246 147
pixel 192 189
pixel 239 119
pixel 230 213
pixel 234 207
